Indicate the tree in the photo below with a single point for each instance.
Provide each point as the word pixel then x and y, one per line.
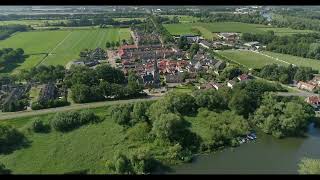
pixel 121 114
pixel 167 126
pixel 241 103
pixel 112 44
pixel 138 113
pixel 108 44
pixel 80 93
pixel 120 165
pixel 183 43
pixel 194 49
pixel 9 137
pixel 281 118
pixel 134 87
pixel 211 99
pixel 4 170
pixel 117 44
pixel 309 166
pixel 182 103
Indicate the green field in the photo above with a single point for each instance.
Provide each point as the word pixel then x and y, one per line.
pixel 61 46
pixel 299 61
pixel 206 28
pixel 254 60
pixel 30 22
pixel 248 58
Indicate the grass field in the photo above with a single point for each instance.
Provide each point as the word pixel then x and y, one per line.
pixel 248 58
pixel 30 22
pixel 299 61
pixel 206 28
pixel 254 60
pixel 61 46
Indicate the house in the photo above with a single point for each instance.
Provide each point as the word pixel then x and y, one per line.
pixel 313 100
pixel 191 38
pixel 174 78
pixel 254 44
pixel 212 85
pixel 147 79
pixel 228 37
pixel 306 86
pixel 220 65
pixel 48 92
pixel 231 83
pixel 243 77
pixel 205 44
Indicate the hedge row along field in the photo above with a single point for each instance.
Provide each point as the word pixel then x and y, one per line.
pixel 61 46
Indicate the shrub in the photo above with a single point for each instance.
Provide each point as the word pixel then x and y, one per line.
pixel 67 121
pixel 38 126
pixel 9 137
pixel 4 170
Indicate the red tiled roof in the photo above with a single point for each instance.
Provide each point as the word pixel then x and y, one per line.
pixel 314 99
pixel 128 47
pixel 243 77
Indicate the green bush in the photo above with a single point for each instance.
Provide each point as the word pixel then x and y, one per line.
pixel 9 138
pixel 38 126
pixel 67 121
pixel 4 170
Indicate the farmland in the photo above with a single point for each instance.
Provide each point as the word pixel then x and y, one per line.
pixel 178 29
pixel 33 23
pixel 248 58
pixel 61 46
pixel 255 60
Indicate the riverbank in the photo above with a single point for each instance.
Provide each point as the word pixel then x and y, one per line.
pixel 267 155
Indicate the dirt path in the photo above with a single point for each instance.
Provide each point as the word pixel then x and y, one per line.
pixel 12 115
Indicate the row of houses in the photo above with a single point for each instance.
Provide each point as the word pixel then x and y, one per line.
pixel 230 83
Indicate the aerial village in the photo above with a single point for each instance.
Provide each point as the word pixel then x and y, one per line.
pixel 161 67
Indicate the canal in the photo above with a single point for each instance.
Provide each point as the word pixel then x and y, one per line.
pixel 267 155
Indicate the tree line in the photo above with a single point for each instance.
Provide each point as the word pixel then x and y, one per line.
pixel 7 30
pixel 286 75
pixel 303 45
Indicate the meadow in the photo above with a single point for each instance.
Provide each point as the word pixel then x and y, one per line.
pixel 208 28
pixel 60 46
pixel 248 58
pixel 255 60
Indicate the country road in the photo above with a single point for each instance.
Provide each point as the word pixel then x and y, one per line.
pixel 12 115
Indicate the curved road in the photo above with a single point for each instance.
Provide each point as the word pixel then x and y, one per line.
pixel 12 115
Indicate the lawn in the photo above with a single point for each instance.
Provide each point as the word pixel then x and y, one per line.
pixel 206 28
pixel 299 61
pixel 59 46
pixel 30 22
pixel 254 60
pixel 248 58
pixel 285 31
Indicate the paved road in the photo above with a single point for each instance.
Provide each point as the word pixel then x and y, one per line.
pixel 12 115
pixel 301 94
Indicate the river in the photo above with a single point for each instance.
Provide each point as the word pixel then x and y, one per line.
pixel 267 155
